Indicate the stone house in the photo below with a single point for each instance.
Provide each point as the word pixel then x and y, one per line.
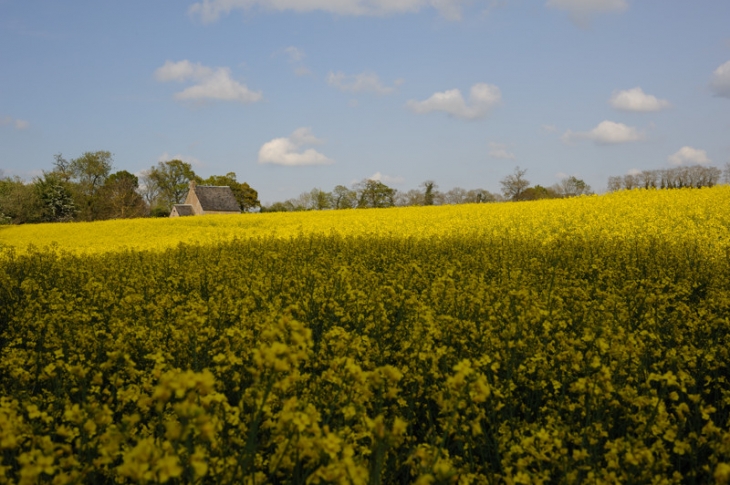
pixel 207 199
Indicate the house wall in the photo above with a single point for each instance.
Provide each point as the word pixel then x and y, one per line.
pixel 192 199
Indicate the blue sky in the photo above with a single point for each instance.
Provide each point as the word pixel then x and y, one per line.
pixel 296 94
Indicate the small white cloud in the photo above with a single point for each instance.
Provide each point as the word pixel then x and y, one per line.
pixel 636 100
pixel 18 124
pixel 210 10
pixel 295 57
pixel 295 54
pixel 182 71
pixel 606 133
pixel 482 98
pixel 549 128
pixel 633 171
pixel 582 11
pixel 689 156
pixel 289 151
pixel 302 71
pixel 366 82
pixel 386 179
pixel 720 83
pixel 500 151
pixel 165 157
pixel 216 84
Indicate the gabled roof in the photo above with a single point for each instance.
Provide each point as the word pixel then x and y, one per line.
pixel 184 209
pixel 216 198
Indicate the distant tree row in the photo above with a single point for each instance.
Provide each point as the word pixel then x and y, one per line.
pixel 374 193
pixel 695 176
pixel 87 189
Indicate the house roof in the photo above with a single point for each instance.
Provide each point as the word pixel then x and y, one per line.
pixel 184 209
pixel 216 198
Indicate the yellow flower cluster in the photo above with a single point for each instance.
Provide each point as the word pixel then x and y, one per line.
pixel 572 341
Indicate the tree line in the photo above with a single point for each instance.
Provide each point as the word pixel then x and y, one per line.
pixel 88 189
pixel 695 176
pixel 374 193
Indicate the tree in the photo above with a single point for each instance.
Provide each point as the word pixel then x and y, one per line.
pixel 726 173
pixel 481 196
pixel 56 202
pixel 19 202
pixel 572 187
pixel 373 194
pixel 457 195
pixel 88 174
pixel 515 184
pixel 247 198
pixel 343 198
pixel 119 197
pixel 320 200
pixel 411 198
pixel 538 192
pixel 171 180
pixel 277 207
pixel 429 192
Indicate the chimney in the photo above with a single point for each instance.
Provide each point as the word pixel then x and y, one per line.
pixel 192 185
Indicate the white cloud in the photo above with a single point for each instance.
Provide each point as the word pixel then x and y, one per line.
pixel 720 83
pixel 182 71
pixel 295 57
pixel 582 11
pixel 688 156
pixel 211 10
pixel 633 171
pixel 166 157
pixel 482 98
pixel 366 82
pixel 211 83
pixel 606 133
pixel 500 151
pixel 18 124
pixel 636 100
pixel 295 54
pixel 549 128
pixel 290 151
pixel 386 179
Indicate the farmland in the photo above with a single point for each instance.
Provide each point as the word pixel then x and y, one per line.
pixel 560 341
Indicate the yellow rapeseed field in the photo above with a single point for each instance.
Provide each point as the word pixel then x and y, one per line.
pixel 569 341
pixel 670 214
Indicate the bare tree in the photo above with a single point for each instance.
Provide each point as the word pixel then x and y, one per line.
pixel 515 184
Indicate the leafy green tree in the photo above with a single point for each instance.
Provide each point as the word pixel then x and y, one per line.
pixel 19 202
pixel 88 174
pixel 429 192
pixel 374 194
pixel 320 200
pixel 515 184
pixel 538 192
pixel 247 198
pixel 171 180
pixel 56 200
pixel 343 198
pixel 119 197
pixel 572 186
